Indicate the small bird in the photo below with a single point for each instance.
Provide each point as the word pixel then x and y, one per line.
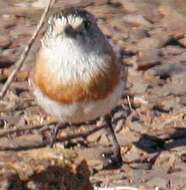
pixel 77 76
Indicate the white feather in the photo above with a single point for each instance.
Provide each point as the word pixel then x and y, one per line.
pixel 70 62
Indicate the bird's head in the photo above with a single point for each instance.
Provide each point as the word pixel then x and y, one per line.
pixel 74 24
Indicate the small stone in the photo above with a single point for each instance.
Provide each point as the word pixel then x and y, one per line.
pixel 6 61
pixel 136 20
pixel 4 41
pixel 148 59
pixel 129 6
pixel 183 157
pixel 171 50
pixel 182 42
pixel 183 100
pixel 149 43
pixel 8 21
pixel 41 4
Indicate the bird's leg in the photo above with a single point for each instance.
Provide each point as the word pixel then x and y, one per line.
pixel 114 158
pixel 55 131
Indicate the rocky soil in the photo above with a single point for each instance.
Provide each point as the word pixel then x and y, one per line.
pixel 150 35
pixel 43 169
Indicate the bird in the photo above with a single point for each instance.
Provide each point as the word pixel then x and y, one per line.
pixel 77 77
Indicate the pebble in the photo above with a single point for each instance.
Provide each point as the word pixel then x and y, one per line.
pixel 183 100
pixel 40 4
pixel 182 42
pixel 8 21
pixel 129 6
pixel 136 20
pixel 6 61
pixel 4 41
pixel 171 50
pixel 148 59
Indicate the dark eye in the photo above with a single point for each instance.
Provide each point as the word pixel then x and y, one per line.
pixel 87 24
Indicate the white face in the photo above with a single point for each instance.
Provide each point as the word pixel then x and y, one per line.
pixel 75 24
pixel 66 26
pixel 75 32
pixel 59 24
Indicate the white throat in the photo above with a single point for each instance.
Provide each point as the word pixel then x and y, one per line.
pixel 72 62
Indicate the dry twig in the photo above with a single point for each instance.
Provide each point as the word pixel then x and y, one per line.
pixel 36 141
pixel 23 56
pixel 8 132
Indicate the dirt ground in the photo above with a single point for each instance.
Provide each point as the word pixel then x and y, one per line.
pixel 151 38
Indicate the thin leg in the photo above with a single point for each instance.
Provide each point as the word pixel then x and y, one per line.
pixel 55 132
pixel 114 158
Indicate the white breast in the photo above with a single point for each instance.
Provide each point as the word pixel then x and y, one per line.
pixel 69 62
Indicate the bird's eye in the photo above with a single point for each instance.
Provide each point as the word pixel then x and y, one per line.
pixel 87 24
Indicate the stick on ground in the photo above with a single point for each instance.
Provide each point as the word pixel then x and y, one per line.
pixel 38 141
pixel 25 52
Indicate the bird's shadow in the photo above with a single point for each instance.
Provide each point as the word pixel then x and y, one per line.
pixel 153 144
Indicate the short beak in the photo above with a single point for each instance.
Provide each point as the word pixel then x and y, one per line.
pixel 69 31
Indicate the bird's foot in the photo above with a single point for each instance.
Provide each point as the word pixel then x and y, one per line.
pixel 111 160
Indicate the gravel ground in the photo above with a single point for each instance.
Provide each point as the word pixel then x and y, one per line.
pixel 151 38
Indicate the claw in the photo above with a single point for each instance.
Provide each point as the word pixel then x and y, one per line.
pixel 112 161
